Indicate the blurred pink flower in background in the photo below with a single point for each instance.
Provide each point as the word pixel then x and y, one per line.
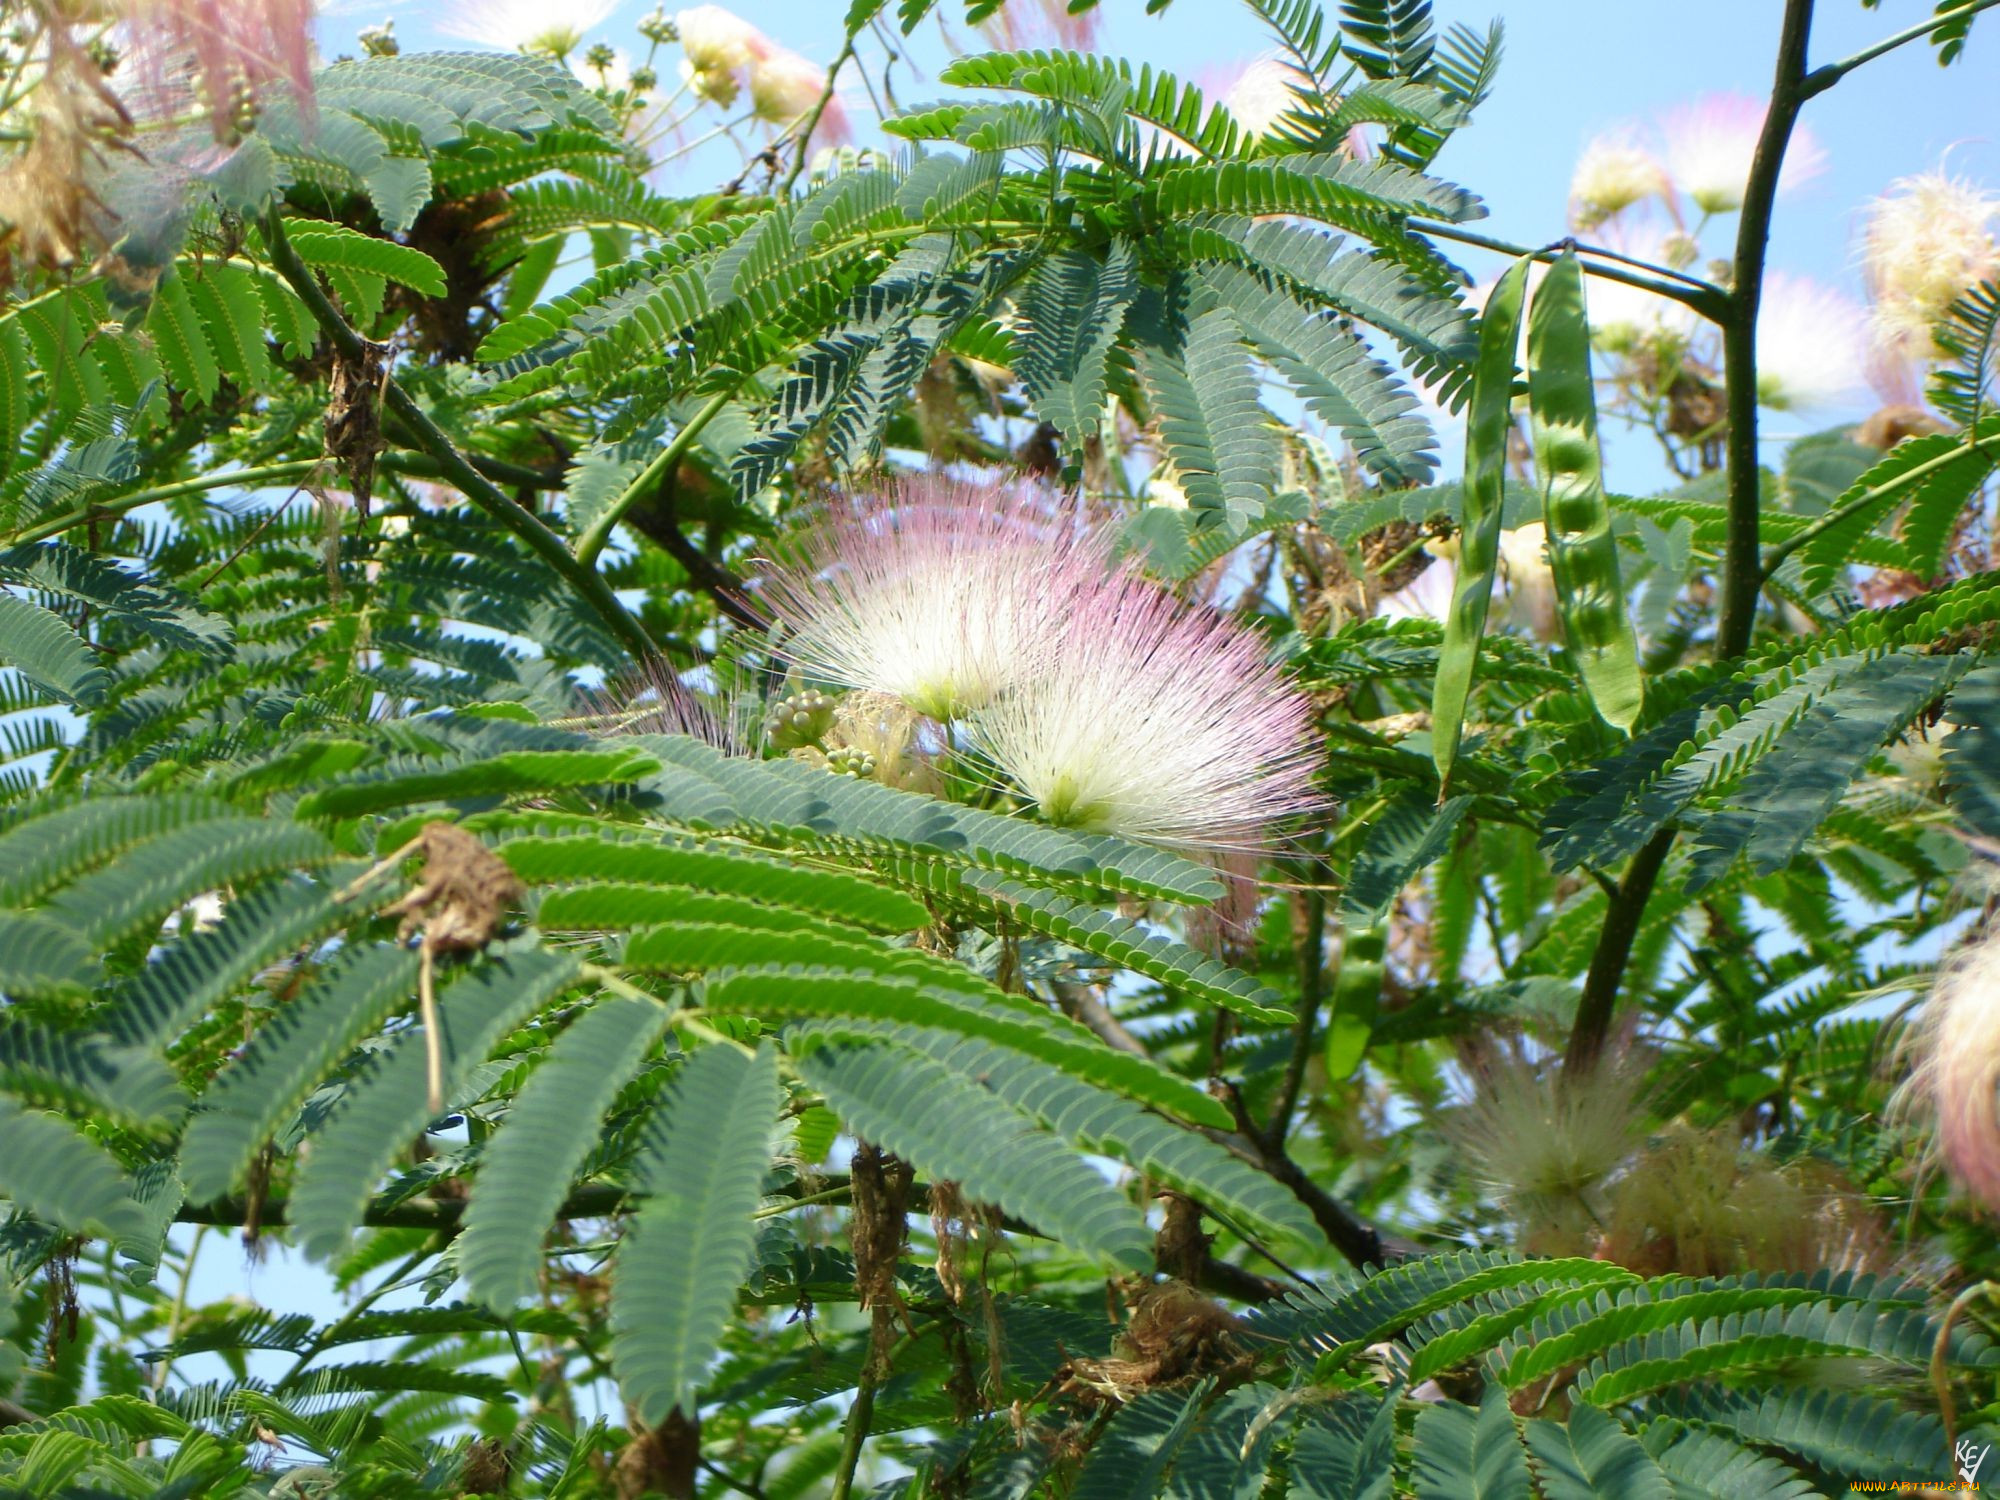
pixel 1021 24
pixel 1957 1078
pixel 1710 144
pixel 784 87
pixel 1812 344
pixel 1612 175
pixel 1926 242
pixel 1260 93
pixel 238 48
pixel 718 48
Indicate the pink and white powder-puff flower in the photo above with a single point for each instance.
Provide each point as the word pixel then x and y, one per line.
pixel 1612 175
pixel 1812 345
pixel 526 25
pixel 1711 143
pixel 718 48
pixel 1928 241
pixel 1263 94
pixel 1152 719
pixel 238 48
pixel 1957 1078
pixel 784 89
pixel 937 593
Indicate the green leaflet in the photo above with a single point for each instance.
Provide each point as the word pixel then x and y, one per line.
pixel 1408 836
pixel 1347 1450
pixel 884 997
pixel 320 243
pixel 41 957
pixel 507 774
pixel 52 1172
pixel 383 1107
pixel 1462 1454
pixel 1489 424
pixel 1583 555
pixel 1073 307
pixel 46 849
pixel 1215 430
pixel 950 1127
pixel 145 884
pixel 1124 942
pixel 1096 1119
pixel 1702 1462
pixel 1593 1457
pixel 43 649
pixel 684 1258
pixel 290 1053
pixel 1130 1459
pixel 554 1122
pixel 830 893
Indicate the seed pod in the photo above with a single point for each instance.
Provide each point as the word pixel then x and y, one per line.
pixel 1583 555
pixel 1488 422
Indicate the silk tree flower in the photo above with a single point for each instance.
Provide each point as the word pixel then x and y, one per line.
pixel 1812 345
pixel 1711 143
pixel 1151 719
pixel 937 594
pixel 1928 241
pixel 239 47
pixel 1623 316
pixel 527 25
pixel 1544 1144
pixel 1611 176
pixel 718 48
pixel 784 87
pixel 1957 1077
pixel 1262 94
pixel 1020 24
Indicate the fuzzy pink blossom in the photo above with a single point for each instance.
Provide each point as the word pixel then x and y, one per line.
pixel 1812 345
pixel 1037 23
pixel 784 88
pixel 1710 145
pixel 936 593
pixel 238 48
pixel 1154 720
pixel 1958 1075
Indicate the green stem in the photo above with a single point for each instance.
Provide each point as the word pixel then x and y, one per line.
pixel 854 1434
pixel 1742 577
pixel 346 1320
pixel 803 132
pixel 592 542
pixel 457 469
pixel 1743 571
pixel 1823 78
pixel 1705 297
pixel 1780 550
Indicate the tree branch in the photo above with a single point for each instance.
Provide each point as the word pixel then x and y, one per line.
pixel 1743 566
pixel 1823 78
pixel 1705 297
pixel 454 466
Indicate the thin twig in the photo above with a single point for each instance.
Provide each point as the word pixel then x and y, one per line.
pixel 457 469
pixel 1823 78
pixel 802 132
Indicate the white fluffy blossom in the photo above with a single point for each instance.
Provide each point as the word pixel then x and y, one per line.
pixel 1152 719
pixel 718 48
pixel 1711 143
pixel 1812 345
pixel 1262 94
pixel 526 25
pixel 1611 176
pixel 938 594
pixel 1929 240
